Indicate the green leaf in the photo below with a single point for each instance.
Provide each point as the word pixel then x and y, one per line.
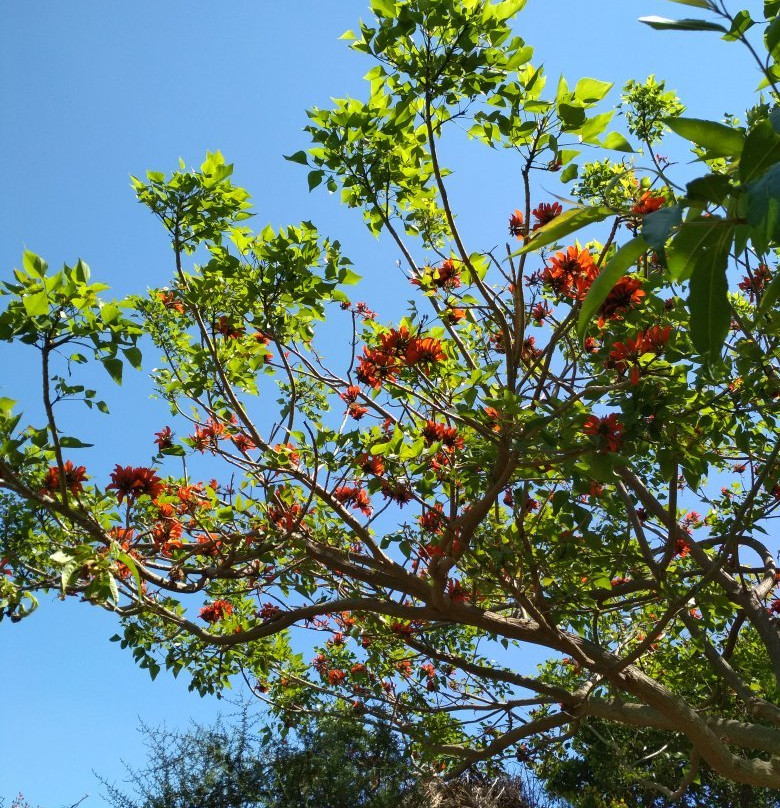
pixel 568 222
pixel 710 188
pixel 34 264
pixel 614 270
pixel 384 8
pixel 129 562
pixel 616 141
pixel 591 90
pixel 693 239
pixel 664 24
pixel 697 3
pixel 708 300
pixel 772 36
pixel 315 178
pixel 770 295
pixel 6 406
pixel 657 226
pixel 36 305
pixel 718 139
pixel 299 157
pixel 762 149
pixel 742 22
pixel 74 443
pixel 133 356
pixel 763 208
pixel 114 368
pixel 109 313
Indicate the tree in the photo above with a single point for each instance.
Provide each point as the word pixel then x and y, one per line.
pixel 553 447
pixel 234 765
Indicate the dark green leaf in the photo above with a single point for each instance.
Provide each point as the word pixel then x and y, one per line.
pixel 568 222
pixel 742 22
pixel 708 300
pixel 691 241
pixel 762 149
pixel 616 267
pixel 114 368
pixel 718 139
pixel 299 157
pixel 664 24
pixel 658 225
pixel 710 188
pixel 315 178
pixel 74 443
pixel 133 356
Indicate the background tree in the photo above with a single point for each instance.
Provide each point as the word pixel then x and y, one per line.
pixel 554 446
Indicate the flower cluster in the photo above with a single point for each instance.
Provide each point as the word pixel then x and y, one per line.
pixel 625 355
pixel 398 348
pixel 608 429
pixel 353 496
pixel 132 483
pixel 75 476
pixel 445 276
pixel 570 274
pixel 216 611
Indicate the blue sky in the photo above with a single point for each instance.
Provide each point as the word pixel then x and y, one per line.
pixel 92 92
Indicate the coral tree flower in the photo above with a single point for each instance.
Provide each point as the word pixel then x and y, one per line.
pixel 647 203
pixel 545 213
pixel 133 483
pixel 517 226
pixel 570 274
pixel 216 611
pixel 624 295
pixel 74 477
pixel 608 429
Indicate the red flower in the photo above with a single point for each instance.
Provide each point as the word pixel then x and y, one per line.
pixel 682 548
pixel 540 312
pixel 396 342
pixel 243 442
pixel 374 367
pixel 134 483
pixel 356 411
pixel 775 607
pixel 397 492
pixel 350 395
pixel 371 464
pixel 269 611
pixel 456 591
pixel 336 676
pixel 74 477
pixel 455 315
pixel 517 225
pixel 609 429
pixel 216 611
pixel 363 310
pixel 438 433
pixel 446 276
pixel 432 519
pixel 353 496
pixel 163 438
pixel 206 436
pixel 756 282
pixel 225 327
pixel 570 274
pixel 170 301
pixel 625 294
pixel 424 351
pixel 647 203
pixel 545 213
pixel 285 518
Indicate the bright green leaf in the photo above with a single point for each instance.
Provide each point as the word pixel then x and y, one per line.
pixel 718 139
pixel 36 305
pixel 568 222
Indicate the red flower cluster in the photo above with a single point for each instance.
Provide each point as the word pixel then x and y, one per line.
pixel 353 496
pixel 625 354
pixel 350 395
pixel 74 477
pixel 399 348
pixel 227 329
pixel 608 429
pixel 446 435
pixel 285 518
pixel 371 464
pixel 433 519
pixel 397 492
pixel 517 225
pixel 570 274
pixel 164 438
pixel 170 301
pixel 206 436
pixel 540 312
pixel 624 295
pixel 756 282
pixel 445 276
pixel 134 483
pixel 216 611
pixel 545 213
pixel 430 674
pixel 647 203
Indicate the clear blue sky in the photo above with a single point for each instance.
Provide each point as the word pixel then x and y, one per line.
pixel 92 91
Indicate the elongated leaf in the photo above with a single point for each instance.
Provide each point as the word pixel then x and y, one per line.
pixel 762 150
pixel 664 24
pixel 717 138
pixel 697 3
pixel 771 294
pixel 74 443
pixel 708 300
pixel 658 225
pixel 692 239
pixel 763 209
pixel 614 270
pixel 568 222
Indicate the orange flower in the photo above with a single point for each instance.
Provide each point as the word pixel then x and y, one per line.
pixel 570 274
pixel 134 483
pixel 74 477
pixel 545 213
pixel 608 429
pixel 647 203
pixel 216 611
pixel 517 225
pixel 371 464
pixel 625 294
pixel 424 351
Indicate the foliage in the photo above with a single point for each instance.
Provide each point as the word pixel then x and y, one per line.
pixel 567 444
pixel 234 765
